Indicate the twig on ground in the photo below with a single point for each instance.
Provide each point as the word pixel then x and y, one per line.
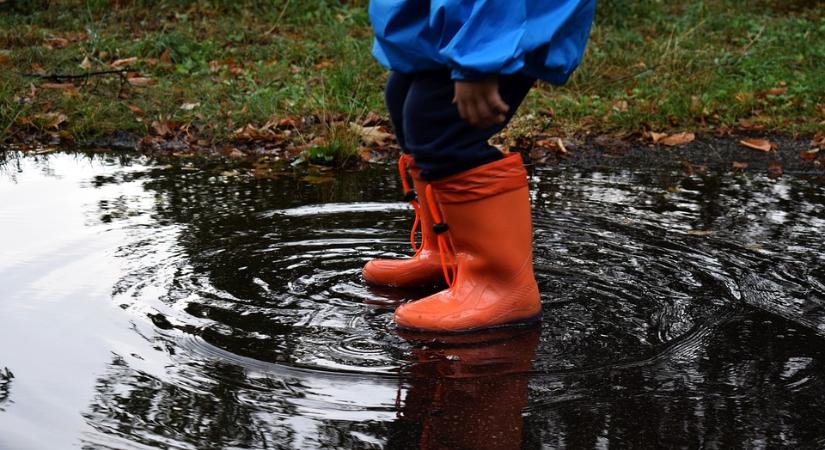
pixel 58 77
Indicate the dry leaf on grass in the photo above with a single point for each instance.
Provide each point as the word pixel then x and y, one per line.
pixel 657 137
pixel 140 81
pixel 189 106
pixel 371 135
pixel 740 165
pixel 63 86
pixel 757 144
pixel 56 42
pixel 86 64
pixel 678 139
pixel 52 120
pixel 135 109
pixel 123 62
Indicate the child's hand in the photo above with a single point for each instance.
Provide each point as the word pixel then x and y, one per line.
pixel 479 102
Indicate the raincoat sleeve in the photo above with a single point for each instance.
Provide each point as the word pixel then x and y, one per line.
pixel 483 37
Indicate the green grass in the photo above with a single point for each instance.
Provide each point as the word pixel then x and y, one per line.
pixel 650 65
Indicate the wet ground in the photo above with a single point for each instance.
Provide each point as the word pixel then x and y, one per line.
pixel 145 304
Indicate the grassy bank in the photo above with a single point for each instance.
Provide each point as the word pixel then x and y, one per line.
pixel 295 76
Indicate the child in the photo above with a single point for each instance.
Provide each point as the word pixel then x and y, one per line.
pixel 460 69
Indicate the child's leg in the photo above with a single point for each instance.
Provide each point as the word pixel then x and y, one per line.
pixel 395 93
pixel 440 140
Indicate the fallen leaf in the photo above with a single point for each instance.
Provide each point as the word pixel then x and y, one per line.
pixel 189 106
pixel 140 81
pixel 678 139
pixel 4 57
pixel 774 169
pixel 700 232
pixel 365 153
pixel 371 135
pixel 325 64
pixel 123 62
pixel 657 137
pixel 561 147
pixel 757 144
pixel 135 109
pixel 775 91
pixel 236 154
pixel 620 106
pixel 164 127
pixel 809 155
pixel 739 165
pixel 63 86
pixel 56 42
pixel 53 120
pixel 166 56
pixel 372 118
pixel 86 64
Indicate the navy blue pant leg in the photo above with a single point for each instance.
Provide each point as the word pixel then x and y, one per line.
pixel 395 94
pixel 431 128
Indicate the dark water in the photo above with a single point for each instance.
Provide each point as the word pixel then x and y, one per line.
pixel 146 305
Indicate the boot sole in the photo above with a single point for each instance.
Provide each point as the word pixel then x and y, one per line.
pixel 521 323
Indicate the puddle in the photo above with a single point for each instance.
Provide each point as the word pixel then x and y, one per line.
pixel 147 306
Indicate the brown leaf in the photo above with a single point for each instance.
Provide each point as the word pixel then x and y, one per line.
pixel 678 139
pixel 164 127
pixel 52 120
pixel 86 64
pixel 819 138
pixel 740 165
pixel 166 56
pixel 4 57
pixel 372 118
pixel 140 81
pixel 135 109
pixel 757 144
pixel 325 64
pixel 774 169
pixel 56 42
pixel 620 106
pixel 63 86
pixel 371 135
pixel 657 137
pixel 809 155
pixel 123 62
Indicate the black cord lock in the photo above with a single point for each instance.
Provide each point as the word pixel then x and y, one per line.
pixel 440 227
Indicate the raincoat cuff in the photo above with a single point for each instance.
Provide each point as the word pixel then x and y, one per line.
pixel 459 74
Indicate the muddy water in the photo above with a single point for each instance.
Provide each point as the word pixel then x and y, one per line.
pixel 146 305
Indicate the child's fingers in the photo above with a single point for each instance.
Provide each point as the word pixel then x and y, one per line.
pixel 468 112
pixel 498 103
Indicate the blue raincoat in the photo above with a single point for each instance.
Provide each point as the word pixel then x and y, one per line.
pixel 544 39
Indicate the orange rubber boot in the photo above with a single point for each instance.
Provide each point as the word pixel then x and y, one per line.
pixel 485 240
pixel 424 267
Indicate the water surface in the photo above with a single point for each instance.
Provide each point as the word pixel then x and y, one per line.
pixel 158 304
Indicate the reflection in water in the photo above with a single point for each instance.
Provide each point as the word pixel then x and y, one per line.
pixel 679 311
pixel 467 392
pixel 5 386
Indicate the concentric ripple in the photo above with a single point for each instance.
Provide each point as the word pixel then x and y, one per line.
pixel 679 311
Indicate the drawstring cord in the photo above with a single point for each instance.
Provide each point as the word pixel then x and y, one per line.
pixel 446 249
pixel 410 197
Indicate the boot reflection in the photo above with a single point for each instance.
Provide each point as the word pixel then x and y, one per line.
pixel 468 392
